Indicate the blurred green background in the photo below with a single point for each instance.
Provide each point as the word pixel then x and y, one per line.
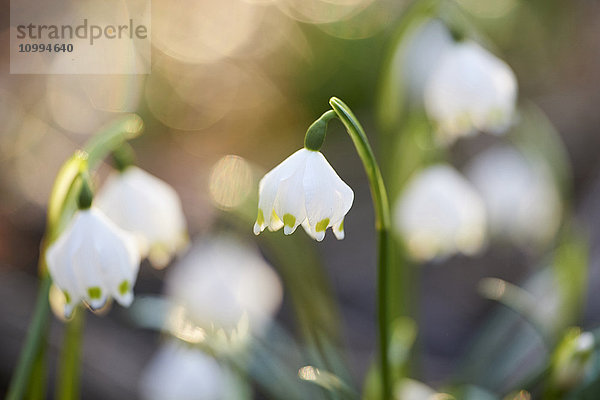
pixel 247 78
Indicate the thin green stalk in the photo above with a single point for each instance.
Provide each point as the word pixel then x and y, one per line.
pixel 382 225
pixel 38 381
pixel 67 387
pixel 33 343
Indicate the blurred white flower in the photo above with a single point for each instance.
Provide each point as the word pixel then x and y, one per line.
pixel 440 214
pixel 148 207
pixel 470 90
pixel 92 260
pixel 410 389
pixel 421 54
pixel 303 190
pixel 522 200
pixel 222 281
pixel 180 372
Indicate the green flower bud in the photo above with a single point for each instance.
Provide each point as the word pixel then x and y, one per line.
pixel 315 135
pixel 84 200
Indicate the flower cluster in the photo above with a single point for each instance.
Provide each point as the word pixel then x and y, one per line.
pixel 98 255
pixel 148 207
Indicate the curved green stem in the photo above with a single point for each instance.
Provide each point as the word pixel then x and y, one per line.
pixel 61 206
pixel 382 225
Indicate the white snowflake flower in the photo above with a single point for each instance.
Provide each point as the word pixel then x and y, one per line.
pixel 303 190
pixel 521 197
pixel 94 259
pixel 148 207
pixel 440 214
pixel 181 372
pixel 470 90
pixel 222 281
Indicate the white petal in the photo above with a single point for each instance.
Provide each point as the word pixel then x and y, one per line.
pixel 338 231
pixel 269 186
pixel 308 229
pixel 88 273
pixel 120 259
pixel 289 203
pixel 145 205
pixel 328 198
pixel 60 269
pixel 275 223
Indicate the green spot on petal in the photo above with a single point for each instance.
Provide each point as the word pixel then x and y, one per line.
pixel 67 296
pixel 260 218
pixel 94 292
pixel 341 228
pixel 289 220
pixel 274 215
pixel 124 287
pixel 322 225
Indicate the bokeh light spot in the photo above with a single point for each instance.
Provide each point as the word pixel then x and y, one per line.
pixel 230 182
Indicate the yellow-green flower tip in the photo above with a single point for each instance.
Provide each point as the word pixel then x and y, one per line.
pixel 260 218
pixel 322 225
pixel 124 287
pixel 289 220
pixel 94 292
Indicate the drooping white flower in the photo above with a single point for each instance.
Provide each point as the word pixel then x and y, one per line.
pixel 520 195
pixel 148 207
pixel 222 281
pixel 181 372
pixel 303 190
pixel 440 214
pixel 94 259
pixel 470 90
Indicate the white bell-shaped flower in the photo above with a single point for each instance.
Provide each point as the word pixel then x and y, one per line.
pixel 181 372
pixel 94 259
pixel 521 197
pixel 470 90
pixel 222 282
pixel 148 207
pixel 440 214
pixel 303 190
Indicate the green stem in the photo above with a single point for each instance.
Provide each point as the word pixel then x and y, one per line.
pixel 38 381
pixel 382 225
pixel 33 343
pixel 67 387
